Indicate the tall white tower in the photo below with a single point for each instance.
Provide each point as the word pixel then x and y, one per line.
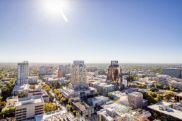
pixel 78 74
pixel 23 72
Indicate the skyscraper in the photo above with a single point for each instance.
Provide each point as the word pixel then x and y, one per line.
pixel 78 74
pixel 23 72
pixel 114 72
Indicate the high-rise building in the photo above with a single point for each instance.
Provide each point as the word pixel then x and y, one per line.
pixel 78 74
pixel 135 99
pixel 23 72
pixel 114 72
pixel 63 70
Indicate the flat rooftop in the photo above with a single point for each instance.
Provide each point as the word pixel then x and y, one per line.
pixel 136 94
pixel 29 100
pixel 103 84
pixel 118 108
pixel 113 111
pixel 58 115
pixel 99 98
pixel 21 87
pixel 81 106
pixel 174 113
pixel 118 93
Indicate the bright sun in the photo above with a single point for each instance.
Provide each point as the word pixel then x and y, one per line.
pixel 57 8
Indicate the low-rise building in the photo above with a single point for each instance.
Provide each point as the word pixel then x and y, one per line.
pixel 103 88
pixel 175 83
pixel 165 109
pixel 84 109
pixel 177 106
pixel 98 101
pixel 116 94
pixel 118 112
pixel 27 108
pixel 67 92
pixel 173 72
pixel 55 116
pixel 82 92
pixel 135 99
pixel 41 93
pixel 28 90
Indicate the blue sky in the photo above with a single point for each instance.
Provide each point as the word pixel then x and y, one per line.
pixel 131 31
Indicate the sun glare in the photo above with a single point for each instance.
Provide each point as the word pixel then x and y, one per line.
pixel 57 8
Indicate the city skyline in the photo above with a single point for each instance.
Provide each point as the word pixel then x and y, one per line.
pixel 93 31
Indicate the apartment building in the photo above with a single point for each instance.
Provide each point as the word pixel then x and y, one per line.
pixel 27 108
pixel 23 72
pixel 78 74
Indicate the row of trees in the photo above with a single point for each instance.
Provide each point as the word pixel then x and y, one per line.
pixel 159 86
pixel 46 87
pixel 154 97
pixel 60 97
pixel 66 102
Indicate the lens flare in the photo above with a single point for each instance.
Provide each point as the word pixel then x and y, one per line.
pixel 56 8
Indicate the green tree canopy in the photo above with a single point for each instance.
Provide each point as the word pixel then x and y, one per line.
pixel 49 107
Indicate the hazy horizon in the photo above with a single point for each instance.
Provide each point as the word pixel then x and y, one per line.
pixel 87 63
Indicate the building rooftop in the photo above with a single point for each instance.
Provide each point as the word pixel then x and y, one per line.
pixel 11 102
pixel 120 109
pixel 80 105
pixel 67 91
pixel 99 98
pixel 23 87
pixel 29 100
pixel 55 116
pixel 136 94
pixel 116 111
pixel 102 84
pixel 118 93
pixel 169 111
